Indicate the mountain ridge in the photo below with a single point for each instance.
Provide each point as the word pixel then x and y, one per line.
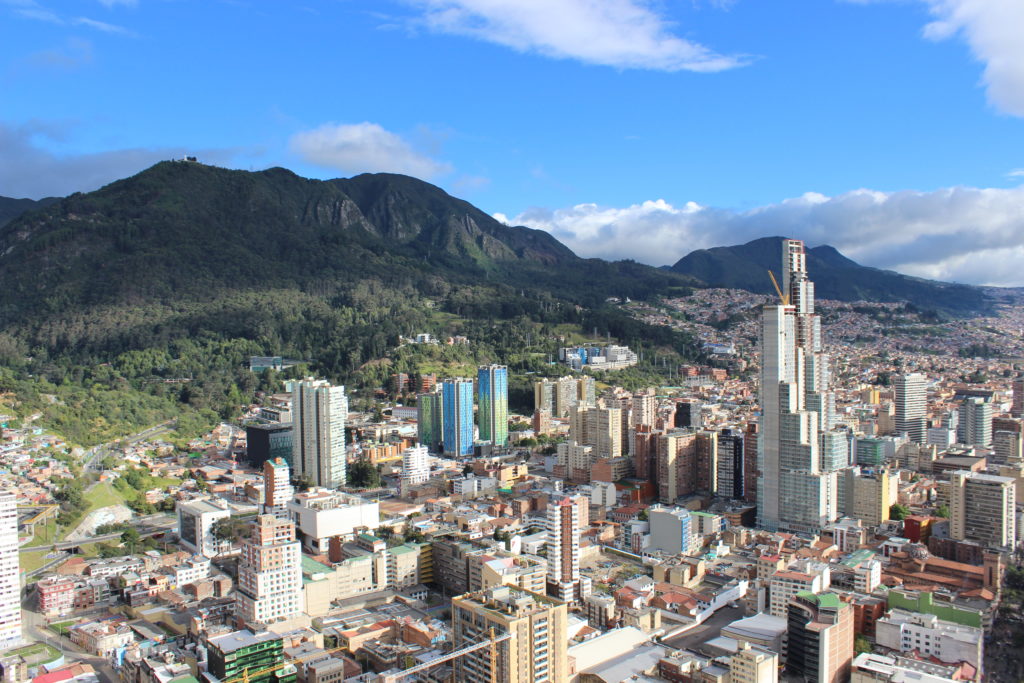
pixel 835 276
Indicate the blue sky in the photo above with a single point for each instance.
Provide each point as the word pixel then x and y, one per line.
pixel 628 128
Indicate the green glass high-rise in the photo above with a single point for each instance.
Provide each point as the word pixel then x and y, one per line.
pixel 429 420
pixel 492 399
pixel 257 657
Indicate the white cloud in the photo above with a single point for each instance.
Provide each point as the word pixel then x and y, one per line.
pixel 992 30
pixel 29 169
pixel 620 33
pixel 1016 173
pixel 102 26
pixel 959 234
pixel 364 148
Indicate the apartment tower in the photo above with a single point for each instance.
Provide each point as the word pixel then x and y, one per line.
pixel 319 412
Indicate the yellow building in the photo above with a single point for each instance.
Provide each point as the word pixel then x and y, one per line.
pixel 536 649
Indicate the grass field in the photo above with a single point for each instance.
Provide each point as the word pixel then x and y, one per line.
pixel 102 495
pixel 164 482
pixel 31 560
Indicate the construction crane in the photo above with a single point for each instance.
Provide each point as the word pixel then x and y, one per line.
pixel 782 297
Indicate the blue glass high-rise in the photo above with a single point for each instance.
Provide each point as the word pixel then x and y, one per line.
pixel 457 422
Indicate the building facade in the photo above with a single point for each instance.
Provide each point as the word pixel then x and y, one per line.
pixel 492 399
pixel 320 411
pixel 457 416
pixel 270 573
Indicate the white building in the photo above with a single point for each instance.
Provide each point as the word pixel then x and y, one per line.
pixel 753 665
pixel 869 667
pixel 799 491
pixel 783 587
pixel 10 579
pixel 471 485
pixel 277 488
pixel 318 431
pixel 270 573
pixel 191 570
pixel 982 508
pixel 905 631
pixel 195 526
pixel 321 513
pixel 415 468
pixel 911 407
pixel 603 493
pixel 672 530
pixel 564 550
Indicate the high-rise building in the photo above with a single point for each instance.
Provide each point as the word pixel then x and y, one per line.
pixel 794 492
pixel 869 494
pixel 597 427
pixel 415 468
pixel 707 461
pixel 457 420
pixel 676 464
pixel 277 488
pixel 982 509
pixel 821 632
pixel 1007 447
pixel 688 414
pixel 320 410
pixel 429 420
pixel 268 441
pixel 563 526
pixel 256 657
pixel 566 395
pixel 544 395
pixel 10 573
pixel 911 406
pixel 644 409
pixel 492 392
pixel 535 650
pixel 270 573
pixel 730 464
pixel 975 428
pixel 1017 407
pixel 586 390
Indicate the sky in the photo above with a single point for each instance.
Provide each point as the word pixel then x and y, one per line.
pixel 643 129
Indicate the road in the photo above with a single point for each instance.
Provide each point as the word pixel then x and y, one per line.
pixel 146 526
pixel 34 630
pixel 712 628
pixel 97 453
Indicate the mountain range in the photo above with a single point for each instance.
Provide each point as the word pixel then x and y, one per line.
pixel 185 249
pixel 835 276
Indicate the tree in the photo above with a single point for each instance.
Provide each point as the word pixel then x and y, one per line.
pixel 364 474
pixel 642 516
pixel 130 535
pixel 385 532
pixel 303 482
pixel 861 645
pixel 898 512
pixel 942 511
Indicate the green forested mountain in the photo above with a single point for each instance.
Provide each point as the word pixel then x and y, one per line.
pixel 835 276
pixel 11 208
pixel 186 269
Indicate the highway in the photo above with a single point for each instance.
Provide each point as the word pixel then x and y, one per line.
pixel 146 526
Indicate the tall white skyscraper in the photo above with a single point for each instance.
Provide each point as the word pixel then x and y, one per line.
pixel 10 581
pixel 911 406
pixel 415 467
pixel 797 491
pixel 564 549
pixel 319 412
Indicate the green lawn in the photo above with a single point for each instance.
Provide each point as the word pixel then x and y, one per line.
pixel 37 653
pixel 101 496
pixel 61 627
pixel 164 482
pixel 31 560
